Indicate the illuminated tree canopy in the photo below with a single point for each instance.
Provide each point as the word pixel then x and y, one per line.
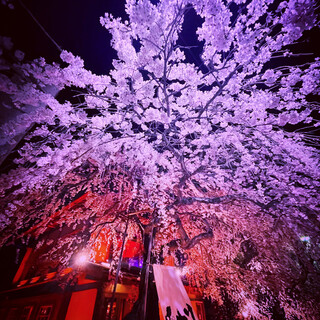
pixel 203 153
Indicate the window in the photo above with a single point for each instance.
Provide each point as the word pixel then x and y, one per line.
pixel 114 309
pixel 44 313
pixel 26 313
pixel 200 311
pixel 117 308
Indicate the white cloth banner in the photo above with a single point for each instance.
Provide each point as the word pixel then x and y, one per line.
pixel 174 301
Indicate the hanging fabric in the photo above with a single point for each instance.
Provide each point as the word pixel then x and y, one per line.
pixel 174 300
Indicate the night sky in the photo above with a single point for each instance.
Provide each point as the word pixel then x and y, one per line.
pixel 74 25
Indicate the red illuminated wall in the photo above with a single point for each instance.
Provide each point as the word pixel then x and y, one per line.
pixel 103 246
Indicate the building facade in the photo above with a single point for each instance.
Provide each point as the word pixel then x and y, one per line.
pixel 41 290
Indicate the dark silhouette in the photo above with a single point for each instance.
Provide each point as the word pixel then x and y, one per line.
pixel 168 313
pixel 189 310
pixel 181 317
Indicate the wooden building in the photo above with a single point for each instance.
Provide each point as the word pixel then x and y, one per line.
pixel 42 291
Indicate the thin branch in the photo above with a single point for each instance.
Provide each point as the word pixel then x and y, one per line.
pixel 40 26
pixel 185 241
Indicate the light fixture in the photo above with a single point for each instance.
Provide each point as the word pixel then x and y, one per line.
pixel 81 258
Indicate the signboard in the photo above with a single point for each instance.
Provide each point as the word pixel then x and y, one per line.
pixel 173 298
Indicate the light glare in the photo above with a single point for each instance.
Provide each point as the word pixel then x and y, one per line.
pixel 81 259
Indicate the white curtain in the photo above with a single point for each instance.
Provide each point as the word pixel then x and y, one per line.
pixel 174 301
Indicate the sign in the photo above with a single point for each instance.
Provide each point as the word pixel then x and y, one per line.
pixel 174 300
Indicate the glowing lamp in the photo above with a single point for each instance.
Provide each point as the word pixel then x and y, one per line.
pixel 81 259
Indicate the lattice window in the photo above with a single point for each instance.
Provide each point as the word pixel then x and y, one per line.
pixel 44 312
pixel 26 313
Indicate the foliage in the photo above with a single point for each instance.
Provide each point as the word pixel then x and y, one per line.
pixel 203 153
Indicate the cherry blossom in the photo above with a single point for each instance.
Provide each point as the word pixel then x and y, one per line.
pixel 202 153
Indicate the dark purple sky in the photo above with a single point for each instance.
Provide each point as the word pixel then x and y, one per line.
pixel 74 25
